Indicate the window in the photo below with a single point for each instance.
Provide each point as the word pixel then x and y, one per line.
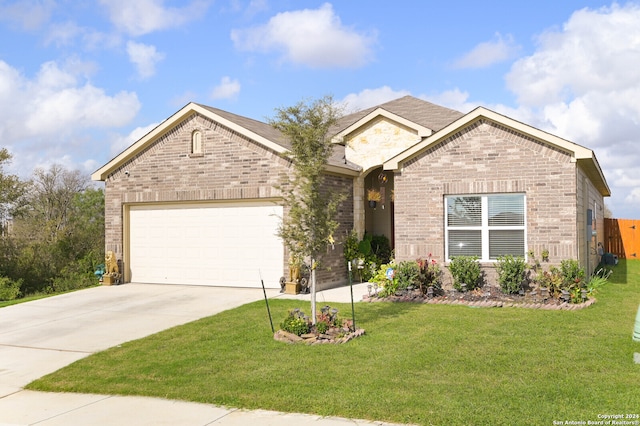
pixel 196 142
pixel 486 226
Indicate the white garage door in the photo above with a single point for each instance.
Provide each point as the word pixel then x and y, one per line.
pixel 206 244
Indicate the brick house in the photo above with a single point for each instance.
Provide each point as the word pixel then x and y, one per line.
pixel 193 201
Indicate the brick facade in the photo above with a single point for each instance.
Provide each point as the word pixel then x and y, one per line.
pixel 231 167
pixel 477 153
pixel 485 158
pixel 333 270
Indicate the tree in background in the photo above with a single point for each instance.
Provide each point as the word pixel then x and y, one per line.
pixel 57 238
pixel 309 223
pixel 11 192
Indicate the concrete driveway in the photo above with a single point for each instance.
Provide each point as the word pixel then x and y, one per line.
pixel 42 336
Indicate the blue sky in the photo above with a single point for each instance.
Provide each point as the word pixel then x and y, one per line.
pixel 81 80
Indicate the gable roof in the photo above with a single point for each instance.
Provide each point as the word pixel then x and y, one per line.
pixel 261 133
pixel 582 156
pixel 422 116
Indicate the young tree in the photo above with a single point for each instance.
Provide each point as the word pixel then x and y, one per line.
pixel 309 222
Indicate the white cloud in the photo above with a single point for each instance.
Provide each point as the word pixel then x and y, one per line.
pixel 145 16
pixel 27 14
pixel 633 197
pixel 227 89
pixel 144 57
pixel 582 83
pixel 47 117
pixel 119 143
pixel 454 99
pixel 595 50
pixel 370 97
pixel 63 34
pixel 489 52
pixel 312 37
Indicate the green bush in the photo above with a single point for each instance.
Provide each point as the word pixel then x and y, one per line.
pixel 389 286
pixel 570 277
pixel 511 273
pixel 465 270
pixel 364 247
pixel 350 250
pixel 552 280
pixel 322 327
pixel 296 322
pixel 9 289
pixel 326 319
pixel 381 248
pixel 372 250
pixel 572 274
pixel 407 274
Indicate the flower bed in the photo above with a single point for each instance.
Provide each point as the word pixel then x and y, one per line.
pixel 328 328
pixel 486 297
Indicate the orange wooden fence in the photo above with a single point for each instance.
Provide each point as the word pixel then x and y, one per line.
pixel 622 238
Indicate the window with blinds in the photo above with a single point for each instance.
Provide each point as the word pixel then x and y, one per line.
pixel 486 226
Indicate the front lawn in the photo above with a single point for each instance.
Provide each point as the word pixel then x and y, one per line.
pixel 418 363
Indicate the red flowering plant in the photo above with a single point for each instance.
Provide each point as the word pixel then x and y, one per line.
pixel 429 275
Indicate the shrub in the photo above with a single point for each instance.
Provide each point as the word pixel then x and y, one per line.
pixel 322 327
pixel 364 247
pixel 326 319
pixel 511 273
pixel 296 322
pixel 73 280
pixel 571 278
pixel 389 286
pixel 381 248
pixel 572 274
pixel 597 280
pixel 9 289
pixel 552 280
pixel 407 274
pixel 465 270
pixel 429 274
pixel 350 250
pixel 372 251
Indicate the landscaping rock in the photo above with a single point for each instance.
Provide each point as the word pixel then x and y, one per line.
pixel 332 337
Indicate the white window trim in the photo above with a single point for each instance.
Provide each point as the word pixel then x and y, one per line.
pixel 484 227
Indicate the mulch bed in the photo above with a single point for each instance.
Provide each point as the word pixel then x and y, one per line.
pixel 490 297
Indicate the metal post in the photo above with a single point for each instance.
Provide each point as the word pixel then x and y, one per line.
pixel 264 291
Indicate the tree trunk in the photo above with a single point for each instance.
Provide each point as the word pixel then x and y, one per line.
pixel 313 292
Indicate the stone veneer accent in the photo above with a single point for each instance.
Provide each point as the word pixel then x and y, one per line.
pixel 378 141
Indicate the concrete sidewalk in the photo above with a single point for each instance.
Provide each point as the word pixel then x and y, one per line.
pixel 39 337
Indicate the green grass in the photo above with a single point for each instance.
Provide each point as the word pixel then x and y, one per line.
pixel 424 364
pixel 38 295
pixel 25 299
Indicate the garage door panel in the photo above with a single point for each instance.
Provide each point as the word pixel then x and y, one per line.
pixel 212 244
